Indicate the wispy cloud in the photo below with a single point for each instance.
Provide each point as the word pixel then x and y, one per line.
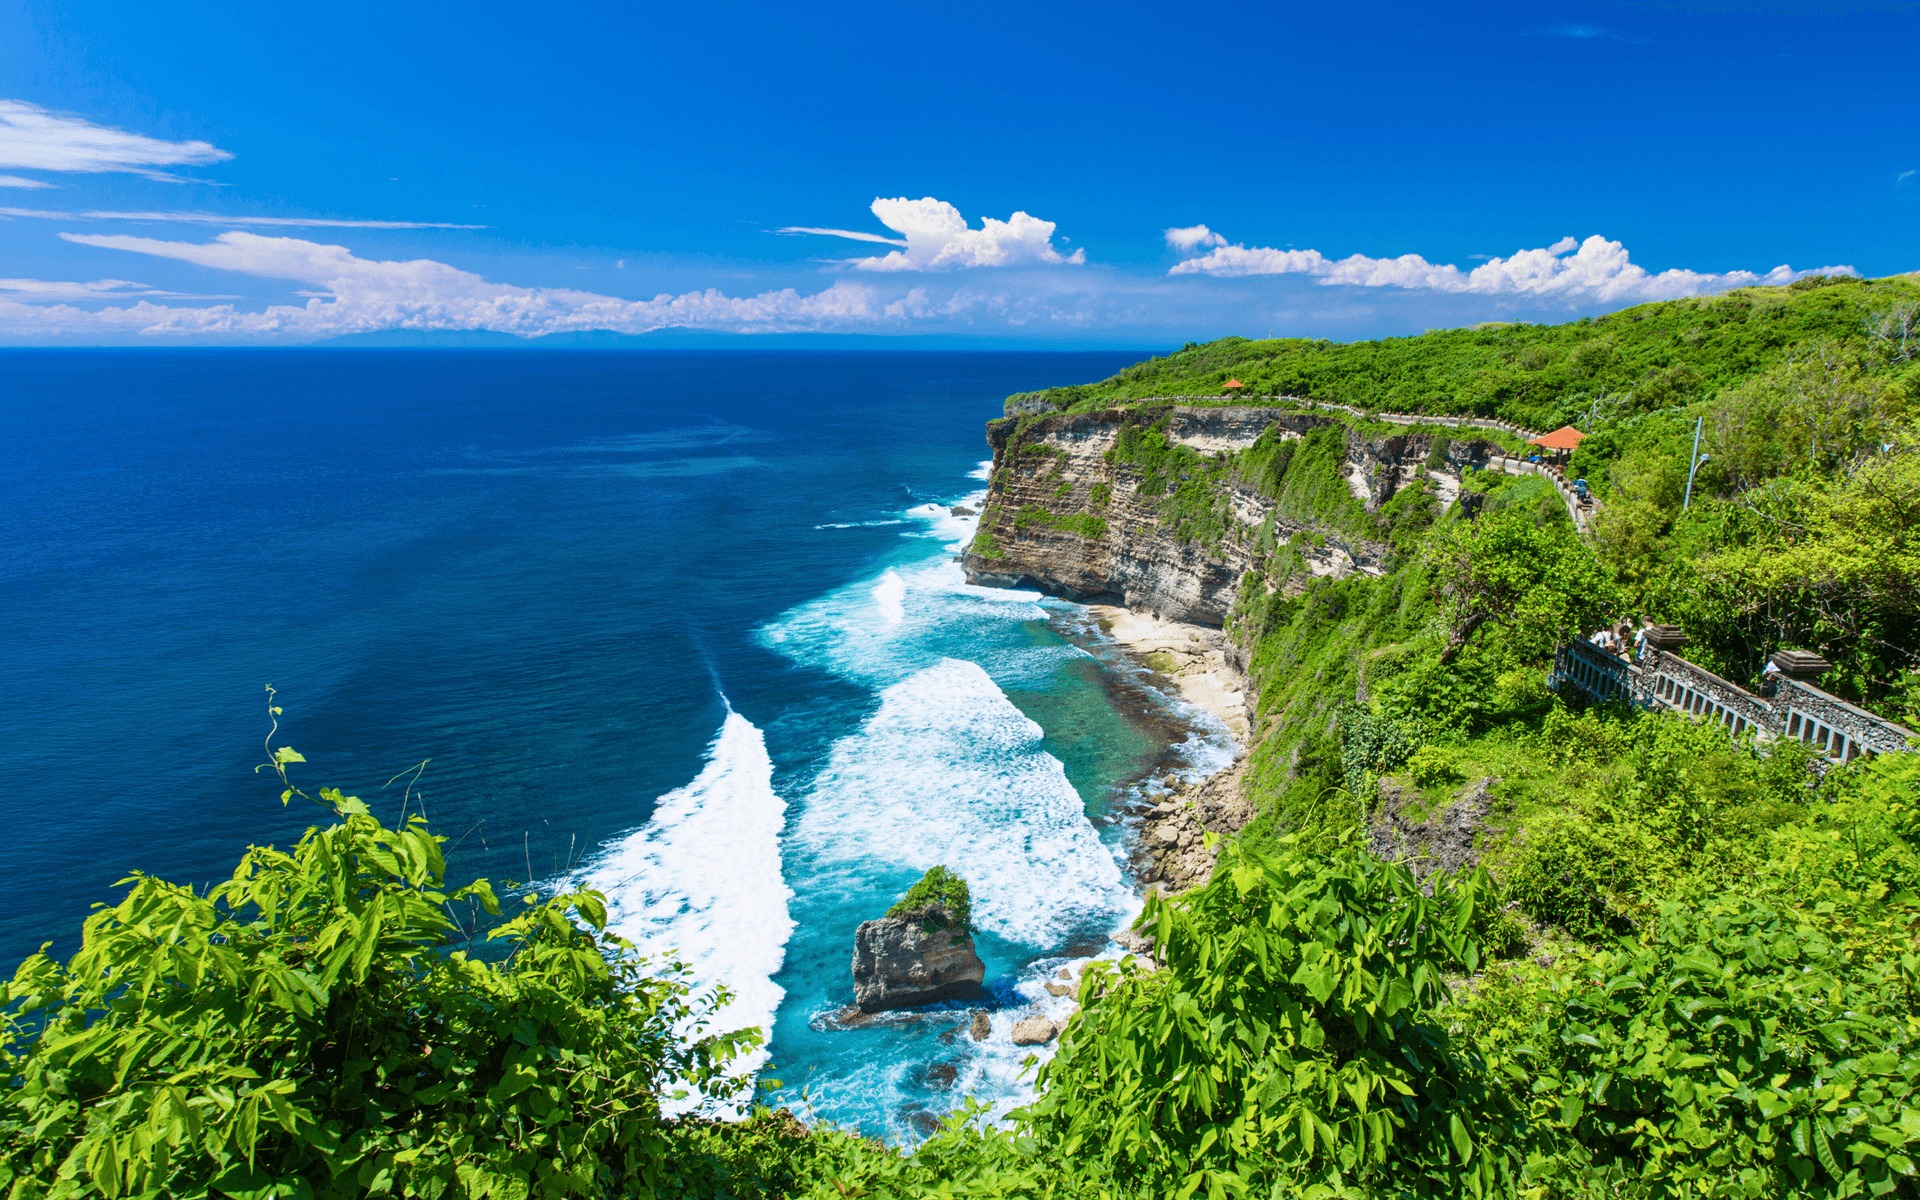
pixel 349 294
pixel 50 214
pixel 99 289
pixel 935 237
pixel 1572 271
pixel 41 140
pixel 367 294
pixel 1581 33
pixel 1902 177
pixel 1193 237
pixel 21 181
pixel 855 234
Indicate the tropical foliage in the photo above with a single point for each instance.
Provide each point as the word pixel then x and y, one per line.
pixel 320 1024
pixel 939 899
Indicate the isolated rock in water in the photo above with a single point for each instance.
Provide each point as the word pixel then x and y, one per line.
pixel 1059 989
pixel 898 964
pixel 981 1027
pixel 921 952
pixel 1033 1031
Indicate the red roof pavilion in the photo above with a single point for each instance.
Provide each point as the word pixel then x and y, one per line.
pixel 1564 438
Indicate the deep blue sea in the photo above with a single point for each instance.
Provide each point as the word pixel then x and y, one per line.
pixel 684 625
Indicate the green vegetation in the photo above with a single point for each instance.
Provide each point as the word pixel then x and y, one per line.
pixel 1640 359
pixel 984 544
pixel 1306 477
pixel 1085 525
pixel 938 900
pixel 318 1026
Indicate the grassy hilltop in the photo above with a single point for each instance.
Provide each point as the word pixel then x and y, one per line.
pixel 1681 965
pixel 1644 358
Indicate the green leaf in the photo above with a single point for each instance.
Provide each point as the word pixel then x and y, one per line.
pixel 1462 1144
pixel 243 1182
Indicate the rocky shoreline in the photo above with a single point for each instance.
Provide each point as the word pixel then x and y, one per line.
pixel 1195 663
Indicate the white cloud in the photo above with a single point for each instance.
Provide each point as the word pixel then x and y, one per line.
pixel 51 214
pixel 356 295
pixel 1576 272
pixel 21 181
pixel 1193 237
pixel 855 234
pixel 99 289
pixel 937 238
pixel 32 137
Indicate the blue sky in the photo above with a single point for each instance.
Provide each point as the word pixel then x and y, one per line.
pixel 1152 174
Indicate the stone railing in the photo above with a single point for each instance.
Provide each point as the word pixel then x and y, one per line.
pixel 1838 731
pixel 1601 675
pixel 1831 726
pixel 1677 685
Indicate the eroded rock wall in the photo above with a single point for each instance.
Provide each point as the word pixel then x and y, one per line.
pixel 1062 518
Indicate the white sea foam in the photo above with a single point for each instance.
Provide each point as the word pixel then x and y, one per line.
pixel 701 879
pixel 983 472
pixel 949 771
pixel 877 631
pixel 888 596
pixel 858 524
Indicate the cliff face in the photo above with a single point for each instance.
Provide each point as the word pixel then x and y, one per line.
pixel 1071 515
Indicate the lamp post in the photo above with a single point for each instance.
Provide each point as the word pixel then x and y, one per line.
pixel 1694 465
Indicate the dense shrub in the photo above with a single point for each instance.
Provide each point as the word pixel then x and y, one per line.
pixel 939 899
pixel 315 1026
pixel 1291 1042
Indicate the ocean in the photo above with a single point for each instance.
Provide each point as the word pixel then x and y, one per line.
pixel 682 625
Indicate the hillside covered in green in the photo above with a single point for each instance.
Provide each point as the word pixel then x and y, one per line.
pixel 1673 964
pixel 1639 359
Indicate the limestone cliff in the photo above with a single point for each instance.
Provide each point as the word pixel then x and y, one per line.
pixel 1166 509
pixel 1073 512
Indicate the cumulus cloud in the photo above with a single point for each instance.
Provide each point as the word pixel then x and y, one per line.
pixel 51 214
pixel 349 294
pixel 1572 271
pixel 40 140
pixel 935 237
pixel 99 289
pixel 1193 237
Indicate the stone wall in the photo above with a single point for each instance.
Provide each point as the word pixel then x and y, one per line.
pixel 1662 680
pixel 1131 558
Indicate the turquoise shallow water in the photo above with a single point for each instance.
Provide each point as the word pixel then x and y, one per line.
pixel 685 624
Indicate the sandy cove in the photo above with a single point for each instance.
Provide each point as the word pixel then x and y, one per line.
pixel 1193 656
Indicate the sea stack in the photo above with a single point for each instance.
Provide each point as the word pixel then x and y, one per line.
pixel 922 951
